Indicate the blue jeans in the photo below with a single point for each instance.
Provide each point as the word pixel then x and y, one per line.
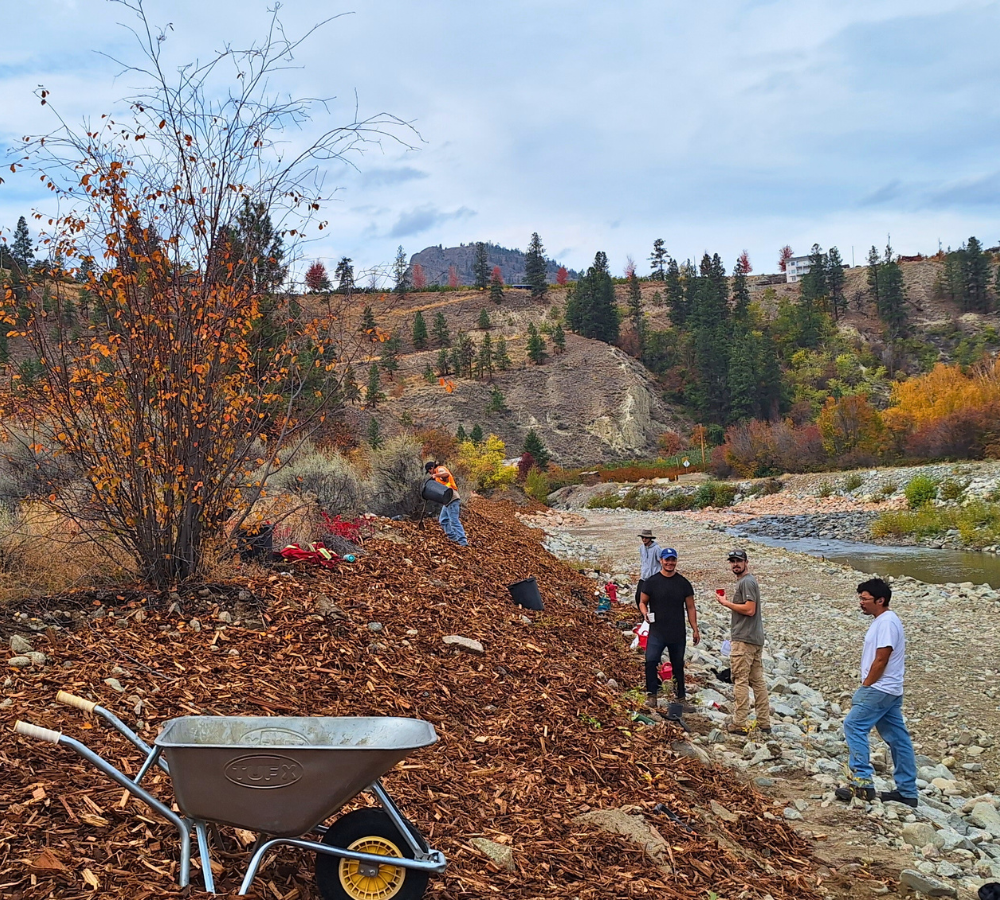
pixel 655 645
pixel 872 708
pixel 450 523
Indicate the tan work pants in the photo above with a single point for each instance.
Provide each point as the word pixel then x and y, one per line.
pixel 748 672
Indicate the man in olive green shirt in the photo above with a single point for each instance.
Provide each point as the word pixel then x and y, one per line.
pixel 747 635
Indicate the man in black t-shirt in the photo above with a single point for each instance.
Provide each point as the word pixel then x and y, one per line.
pixel 665 598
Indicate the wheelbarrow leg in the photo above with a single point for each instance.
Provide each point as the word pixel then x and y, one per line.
pixel 206 859
pixel 398 819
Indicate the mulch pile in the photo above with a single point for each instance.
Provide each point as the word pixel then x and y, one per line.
pixel 530 736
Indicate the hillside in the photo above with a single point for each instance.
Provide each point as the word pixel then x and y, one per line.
pixel 436 260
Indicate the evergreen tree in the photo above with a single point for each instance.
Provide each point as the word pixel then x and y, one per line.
pixel 976 277
pixel 345 275
pixel 400 273
pixel 461 435
pixel 658 261
pixel 892 296
pixel 950 282
pixel 368 324
pixel 675 295
pixel 874 270
pixel 389 358
pixel 484 359
pixel 496 286
pixel 373 393
pixel 633 300
pixel 374 434
pixel 467 352
pixel 559 339
pixel 709 326
pixel 455 359
pixel 590 303
pixel 481 266
pixel 429 375
pixel 500 356
pixel 536 345
pixel 742 377
pixel 476 435
pixel 835 282
pixel 770 384
pixel 349 386
pixel 535 269
pixel 814 288
pixel 533 445
pixel 252 238
pixel 483 322
pixel 440 331
pixel 419 331
pixel 21 249
pixel 497 402
pixel 741 293
pixel 443 362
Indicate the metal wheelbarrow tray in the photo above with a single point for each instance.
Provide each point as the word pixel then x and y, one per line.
pixel 281 778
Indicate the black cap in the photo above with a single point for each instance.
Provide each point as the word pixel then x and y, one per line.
pixel 737 554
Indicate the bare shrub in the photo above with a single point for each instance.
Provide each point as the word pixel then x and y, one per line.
pixel 397 475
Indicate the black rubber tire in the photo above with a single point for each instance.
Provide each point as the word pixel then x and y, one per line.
pixel 355 826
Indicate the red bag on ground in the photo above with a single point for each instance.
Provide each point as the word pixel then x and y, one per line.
pixel 315 552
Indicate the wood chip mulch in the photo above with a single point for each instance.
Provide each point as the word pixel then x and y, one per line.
pixel 530 737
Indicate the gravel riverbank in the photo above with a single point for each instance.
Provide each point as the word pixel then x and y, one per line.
pixel 815 632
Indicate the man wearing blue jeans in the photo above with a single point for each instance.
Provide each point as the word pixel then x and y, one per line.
pixel 878 703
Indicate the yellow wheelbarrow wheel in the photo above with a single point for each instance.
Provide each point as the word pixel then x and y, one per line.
pixel 368 830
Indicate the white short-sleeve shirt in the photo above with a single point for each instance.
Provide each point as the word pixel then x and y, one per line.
pixel 886 631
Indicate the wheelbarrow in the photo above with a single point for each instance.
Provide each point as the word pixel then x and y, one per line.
pixel 281 778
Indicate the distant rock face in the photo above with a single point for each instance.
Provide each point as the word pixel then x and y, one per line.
pixel 436 260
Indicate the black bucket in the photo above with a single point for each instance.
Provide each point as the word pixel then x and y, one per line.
pixel 525 593
pixel 436 492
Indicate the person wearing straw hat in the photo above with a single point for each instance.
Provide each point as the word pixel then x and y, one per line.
pixel 649 559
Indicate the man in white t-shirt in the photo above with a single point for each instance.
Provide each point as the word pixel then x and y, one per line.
pixel 878 703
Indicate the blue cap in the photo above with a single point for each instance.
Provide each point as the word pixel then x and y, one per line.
pixel 668 552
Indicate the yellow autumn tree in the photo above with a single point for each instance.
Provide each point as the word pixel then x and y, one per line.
pixel 945 390
pixel 850 424
pixel 192 373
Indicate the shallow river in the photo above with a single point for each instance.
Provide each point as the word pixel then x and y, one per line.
pixel 932 566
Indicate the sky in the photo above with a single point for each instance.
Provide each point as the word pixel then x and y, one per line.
pixel 717 126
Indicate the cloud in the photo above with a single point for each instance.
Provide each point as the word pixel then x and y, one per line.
pixel 984 191
pixel 381 177
pixel 425 217
pixel 884 194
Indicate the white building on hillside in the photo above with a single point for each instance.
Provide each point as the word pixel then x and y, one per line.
pixel 796 267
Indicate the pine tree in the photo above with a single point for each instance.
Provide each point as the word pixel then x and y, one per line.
pixel 708 296
pixel 675 295
pixel 835 282
pixel 590 303
pixel 389 358
pixel 461 435
pixel 742 377
pixel 483 322
pixel 559 339
pixel 484 359
pixel 21 250
pixel 345 275
pixel 466 354
pixel 443 364
pixel 658 261
pixel 976 277
pixel 814 283
pixel 500 356
pixel 535 269
pixel 496 286
pixel 497 402
pixel 429 375
pixel 536 345
pixel 633 300
pixel 476 435
pixel 400 273
pixel 874 267
pixel 892 296
pixel 481 266
pixel 455 360
pixel 533 445
pixel 374 434
pixel 440 331
pixel 419 335
pixel 368 324
pixel 373 393
pixel 349 386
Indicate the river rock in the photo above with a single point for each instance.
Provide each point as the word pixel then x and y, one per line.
pixel 501 854
pixel 19 662
pixel 20 644
pixel 986 817
pixel 920 834
pixel 463 643
pixel 912 881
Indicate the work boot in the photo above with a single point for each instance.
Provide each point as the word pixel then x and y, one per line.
pixel 764 730
pixel 896 797
pixel 651 701
pixel 733 728
pixel 848 793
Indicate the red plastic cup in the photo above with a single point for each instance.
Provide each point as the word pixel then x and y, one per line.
pixel 721 592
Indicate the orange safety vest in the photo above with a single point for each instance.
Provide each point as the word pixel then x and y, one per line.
pixel 443 476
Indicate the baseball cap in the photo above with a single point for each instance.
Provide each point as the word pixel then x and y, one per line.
pixel 667 553
pixel 737 554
